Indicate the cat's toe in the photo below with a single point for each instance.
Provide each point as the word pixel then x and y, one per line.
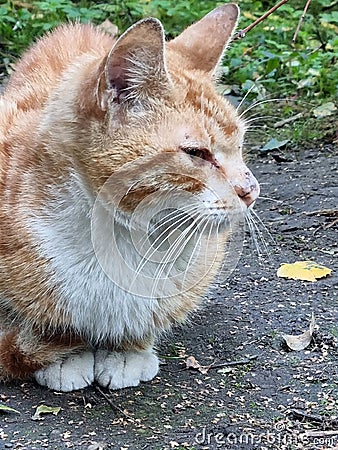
pixel 117 370
pixel 75 372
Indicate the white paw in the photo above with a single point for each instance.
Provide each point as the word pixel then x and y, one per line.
pixel 117 370
pixel 75 372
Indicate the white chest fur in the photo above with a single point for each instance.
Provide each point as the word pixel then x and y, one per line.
pixel 103 304
pixel 98 307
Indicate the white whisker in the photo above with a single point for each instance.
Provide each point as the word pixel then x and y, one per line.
pixel 152 250
pixel 185 236
pixel 175 214
pixel 252 211
pixel 195 247
pixel 245 96
pixel 258 103
pixel 257 118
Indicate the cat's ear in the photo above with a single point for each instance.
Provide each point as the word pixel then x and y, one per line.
pixel 135 69
pixel 203 43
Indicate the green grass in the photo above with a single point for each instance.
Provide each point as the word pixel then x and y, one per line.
pixel 263 65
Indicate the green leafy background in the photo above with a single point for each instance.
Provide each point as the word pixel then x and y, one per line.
pixel 265 62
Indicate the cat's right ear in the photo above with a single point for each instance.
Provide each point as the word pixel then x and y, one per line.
pixel 135 68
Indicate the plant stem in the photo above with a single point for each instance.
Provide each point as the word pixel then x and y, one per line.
pixel 242 33
pixel 300 21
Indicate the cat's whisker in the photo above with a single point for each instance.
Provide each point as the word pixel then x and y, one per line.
pixel 254 213
pixel 185 236
pixel 258 234
pixel 195 248
pixel 245 96
pixel 253 128
pixel 257 118
pixel 253 237
pixel 208 240
pixel 258 103
pixel 152 250
pixel 173 215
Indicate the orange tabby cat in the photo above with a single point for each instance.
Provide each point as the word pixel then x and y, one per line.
pixel 120 168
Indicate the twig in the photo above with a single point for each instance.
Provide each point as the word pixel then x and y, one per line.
pixel 322 212
pixel 241 34
pixel 300 21
pixel 299 414
pixel 115 407
pixel 322 433
pixel 239 362
pixel 288 120
pixel 332 224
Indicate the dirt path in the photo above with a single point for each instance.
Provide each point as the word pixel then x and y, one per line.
pixel 273 398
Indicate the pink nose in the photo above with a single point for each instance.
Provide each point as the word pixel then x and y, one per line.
pixel 247 188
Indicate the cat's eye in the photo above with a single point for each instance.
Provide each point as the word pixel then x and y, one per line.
pixel 202 153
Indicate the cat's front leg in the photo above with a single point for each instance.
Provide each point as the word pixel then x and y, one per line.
pixel 116 370
pixel 70 374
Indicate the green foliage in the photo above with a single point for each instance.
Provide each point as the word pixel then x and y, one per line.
pixel 267 57
pixel 264 61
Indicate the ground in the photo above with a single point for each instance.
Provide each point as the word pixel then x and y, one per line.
pixel 257 394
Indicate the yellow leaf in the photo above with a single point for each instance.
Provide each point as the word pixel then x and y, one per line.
pixel 303 270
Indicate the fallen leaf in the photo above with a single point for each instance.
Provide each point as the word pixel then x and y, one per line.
pixel 324 110
pixel 43 409
pixel 5 409
pixel 303 270
pixel 274 144
pixel 192 363
pixel 300 341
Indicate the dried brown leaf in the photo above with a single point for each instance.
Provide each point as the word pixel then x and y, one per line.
pixel 192 363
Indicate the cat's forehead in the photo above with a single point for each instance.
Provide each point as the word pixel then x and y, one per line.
pixel 183 130
pixel 191 127
pixel 196 93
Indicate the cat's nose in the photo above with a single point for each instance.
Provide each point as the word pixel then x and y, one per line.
pixel 247 188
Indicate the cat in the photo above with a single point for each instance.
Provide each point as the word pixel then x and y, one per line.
pixel 120 168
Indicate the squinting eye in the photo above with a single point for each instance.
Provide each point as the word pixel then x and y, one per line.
pixel 202 153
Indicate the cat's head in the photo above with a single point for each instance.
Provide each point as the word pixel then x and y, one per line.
pixel 166 120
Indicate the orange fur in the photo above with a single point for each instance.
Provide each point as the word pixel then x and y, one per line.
pixel 80 103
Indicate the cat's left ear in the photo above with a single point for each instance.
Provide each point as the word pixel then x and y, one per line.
pixel 135 69
pixel 203 43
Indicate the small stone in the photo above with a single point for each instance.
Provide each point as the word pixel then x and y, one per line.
pixel 95 446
